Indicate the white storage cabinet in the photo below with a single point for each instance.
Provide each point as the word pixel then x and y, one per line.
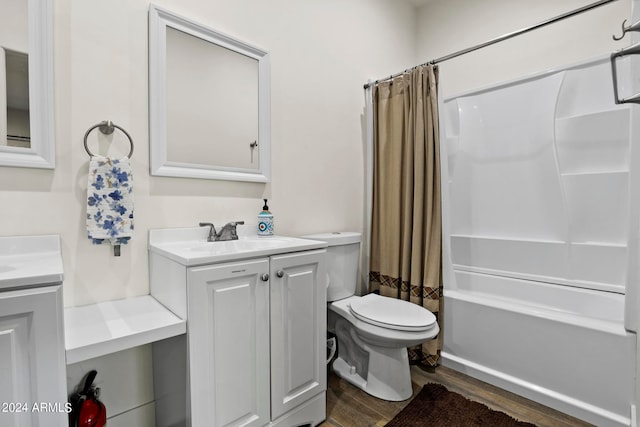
pixel 255 348
pixel 32 363
pixel 33 389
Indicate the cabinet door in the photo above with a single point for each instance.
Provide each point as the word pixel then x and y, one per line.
pixel 32 361
pixel 298 329
pixel 228 342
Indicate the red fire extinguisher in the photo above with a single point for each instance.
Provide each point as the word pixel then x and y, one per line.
pixel 87 410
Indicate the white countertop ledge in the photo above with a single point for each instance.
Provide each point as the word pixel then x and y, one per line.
pixel 189 246
pixel 30 261
pixel 107 327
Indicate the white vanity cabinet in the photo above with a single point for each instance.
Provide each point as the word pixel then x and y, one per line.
pixel 32 367
pixel 32 358
pixel 228 339
pixel 298 330
pixel 256 329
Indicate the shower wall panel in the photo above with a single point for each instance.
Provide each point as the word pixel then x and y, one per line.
pixel 538 179
pixel 536 240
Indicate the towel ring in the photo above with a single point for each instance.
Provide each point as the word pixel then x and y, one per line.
pixel 106 127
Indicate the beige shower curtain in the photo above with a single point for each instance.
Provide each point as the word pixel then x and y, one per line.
pixel 406 234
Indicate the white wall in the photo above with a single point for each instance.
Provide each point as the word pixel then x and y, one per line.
pixel 13 25
pixel 445 27
pixel 321 54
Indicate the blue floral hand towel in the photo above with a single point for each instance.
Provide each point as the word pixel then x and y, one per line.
pixel 110 200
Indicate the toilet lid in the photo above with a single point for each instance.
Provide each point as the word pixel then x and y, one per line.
pixel 392 313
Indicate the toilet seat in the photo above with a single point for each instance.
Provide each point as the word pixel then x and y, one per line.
pixel 392 313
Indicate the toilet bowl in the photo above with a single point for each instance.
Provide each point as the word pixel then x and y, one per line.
pixel 372 348
pixel 373 331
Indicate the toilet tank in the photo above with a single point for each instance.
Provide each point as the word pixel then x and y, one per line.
pixel 343 255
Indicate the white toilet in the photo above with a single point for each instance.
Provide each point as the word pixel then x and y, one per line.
pixel 373 331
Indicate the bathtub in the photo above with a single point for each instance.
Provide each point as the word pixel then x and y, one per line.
pixel 537 212
pixel 564 347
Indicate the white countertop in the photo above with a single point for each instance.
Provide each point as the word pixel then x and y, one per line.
pixel 189 246
pixel 92 330
pixel 98 329
pixel 30 261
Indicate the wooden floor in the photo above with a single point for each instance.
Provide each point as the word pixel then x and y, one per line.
pixel 348 406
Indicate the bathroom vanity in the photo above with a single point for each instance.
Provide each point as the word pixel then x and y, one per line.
pixel 32 354
pixel 256 319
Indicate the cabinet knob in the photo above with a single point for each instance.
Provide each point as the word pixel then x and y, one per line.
pixel 280 273
pixel 264 277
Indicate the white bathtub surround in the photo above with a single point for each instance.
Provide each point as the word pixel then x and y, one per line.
pixel 536 243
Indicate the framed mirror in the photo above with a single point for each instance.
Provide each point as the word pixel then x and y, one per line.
pixel 208 102
pixel 26 84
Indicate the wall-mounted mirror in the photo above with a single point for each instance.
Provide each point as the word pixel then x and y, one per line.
pixel 26 84
pixel 208 102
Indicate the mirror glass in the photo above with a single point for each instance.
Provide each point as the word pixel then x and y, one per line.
pixel 18 132
pixel 208 102
pixel 26 84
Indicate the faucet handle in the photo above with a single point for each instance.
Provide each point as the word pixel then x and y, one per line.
pixel 212 230
pixel 233 231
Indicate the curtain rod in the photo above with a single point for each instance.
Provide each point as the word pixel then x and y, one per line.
pixel 500 38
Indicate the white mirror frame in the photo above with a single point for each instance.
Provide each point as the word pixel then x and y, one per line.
pixel 42 153
pixel 159 20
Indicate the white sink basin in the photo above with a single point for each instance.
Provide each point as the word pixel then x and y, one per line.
pixel 189 247
pixel 244 244
pixel 30 261
pixel 6 268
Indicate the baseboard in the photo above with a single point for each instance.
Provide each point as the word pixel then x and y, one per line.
pixel 563 403
pixel 142 416
pixel 310 413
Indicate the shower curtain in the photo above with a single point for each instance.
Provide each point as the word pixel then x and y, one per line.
pixel 405 255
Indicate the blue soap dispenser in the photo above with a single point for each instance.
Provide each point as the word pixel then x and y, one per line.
pixel 265 221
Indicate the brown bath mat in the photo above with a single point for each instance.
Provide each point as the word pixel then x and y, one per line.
pixel 435 406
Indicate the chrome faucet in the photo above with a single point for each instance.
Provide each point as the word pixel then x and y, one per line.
pixel 227 232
